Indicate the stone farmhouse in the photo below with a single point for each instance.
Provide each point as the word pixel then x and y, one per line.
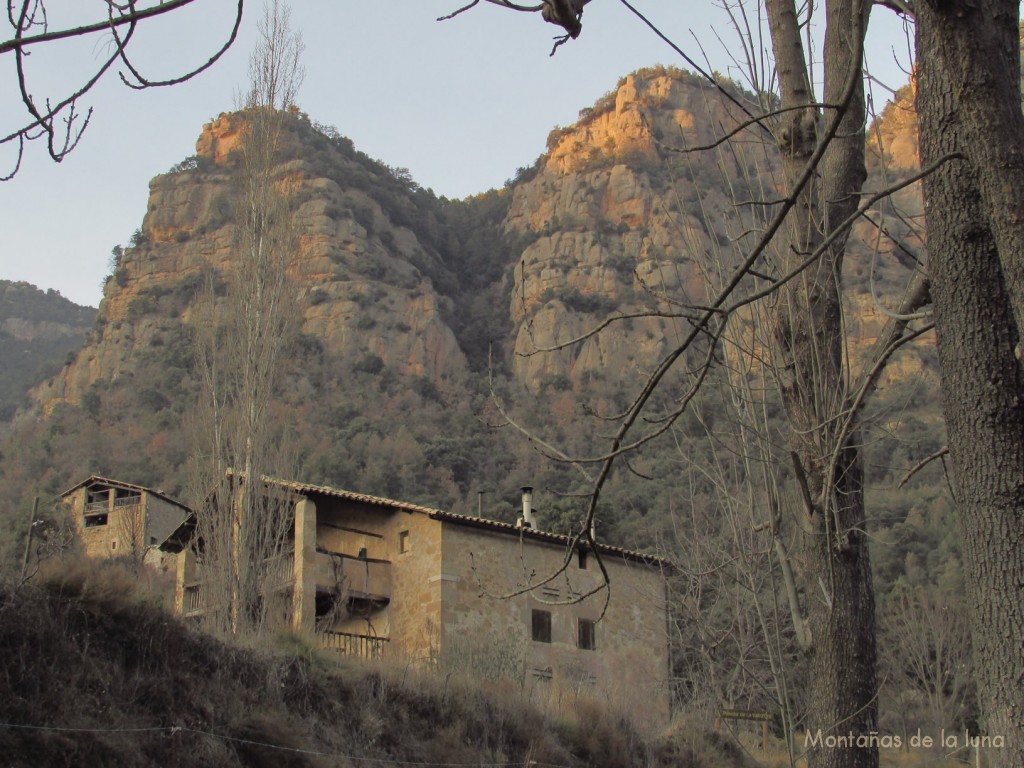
pixel 379 578
pixel 117 519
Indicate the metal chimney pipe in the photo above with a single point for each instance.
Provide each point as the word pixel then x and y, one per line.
pixel 527 506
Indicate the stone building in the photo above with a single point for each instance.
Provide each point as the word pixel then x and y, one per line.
pixel 117 519
pixel 375 577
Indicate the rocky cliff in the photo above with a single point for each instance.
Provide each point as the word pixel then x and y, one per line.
pixel 357 275
pixel 415 311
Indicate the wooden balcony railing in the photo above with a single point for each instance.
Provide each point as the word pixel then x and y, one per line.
pixel 195 600
pixel 280 570
pixel 349 644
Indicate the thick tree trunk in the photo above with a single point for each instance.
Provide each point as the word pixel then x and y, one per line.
pixel 974 222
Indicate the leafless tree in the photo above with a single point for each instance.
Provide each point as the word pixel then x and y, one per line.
pixel 796 257
pixel 926 653
pixel 57 120
pixel 244 526
pixel 971 128
pixel 131 532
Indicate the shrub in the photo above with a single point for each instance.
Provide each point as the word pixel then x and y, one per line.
pixel 369 363
pixel 138 238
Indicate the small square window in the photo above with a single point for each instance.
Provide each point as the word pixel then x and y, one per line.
pixel 586 638
pixel 113 545
pixel 403 541
pixel 541 626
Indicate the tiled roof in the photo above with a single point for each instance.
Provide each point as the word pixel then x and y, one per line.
pixel 402 506
pixel 437 514
pixel 99 480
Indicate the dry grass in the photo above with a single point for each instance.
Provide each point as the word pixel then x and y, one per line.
pixel 84 649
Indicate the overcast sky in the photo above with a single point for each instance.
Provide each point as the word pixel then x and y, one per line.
pixel 461 103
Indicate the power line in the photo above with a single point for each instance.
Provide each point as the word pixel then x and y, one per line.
pixel 175 729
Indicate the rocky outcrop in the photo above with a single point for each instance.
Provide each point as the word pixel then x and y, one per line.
pixel 354 271
pixel 625 221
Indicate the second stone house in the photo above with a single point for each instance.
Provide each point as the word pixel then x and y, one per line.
pixel 376 577
pixel 118 519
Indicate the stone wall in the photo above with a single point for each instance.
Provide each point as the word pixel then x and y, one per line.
pixel 494 583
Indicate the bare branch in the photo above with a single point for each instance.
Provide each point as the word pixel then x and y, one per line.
pixel 939 454
pixel 60 121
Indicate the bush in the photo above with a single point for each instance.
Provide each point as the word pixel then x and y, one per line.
pixel 138 238
pixel 369 363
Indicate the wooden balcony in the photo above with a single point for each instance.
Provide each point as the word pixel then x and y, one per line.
pixel 356 578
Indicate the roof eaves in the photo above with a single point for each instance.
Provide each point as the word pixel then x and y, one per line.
pixel 126 486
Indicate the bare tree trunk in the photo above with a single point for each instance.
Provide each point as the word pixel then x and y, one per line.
pixel 967 81
pixel 834 566
pixel 244 528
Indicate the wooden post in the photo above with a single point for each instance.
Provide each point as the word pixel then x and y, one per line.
pixel 764 735
pixel 28 542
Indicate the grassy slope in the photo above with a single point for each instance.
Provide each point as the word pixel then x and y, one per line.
pixel 84 650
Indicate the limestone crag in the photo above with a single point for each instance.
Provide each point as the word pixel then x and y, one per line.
pixel 623 220
pixel 352 270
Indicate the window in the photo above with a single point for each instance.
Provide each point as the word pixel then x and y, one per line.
pixel 403 541
pixel 541 626
pixel 582 559
pixel 586 637
pixel 362 553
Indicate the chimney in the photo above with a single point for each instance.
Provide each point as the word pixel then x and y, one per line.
pixel 527 518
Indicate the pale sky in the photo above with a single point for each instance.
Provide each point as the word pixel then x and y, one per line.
pixel 461 103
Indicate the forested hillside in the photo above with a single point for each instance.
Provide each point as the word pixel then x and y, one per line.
pixel 37 331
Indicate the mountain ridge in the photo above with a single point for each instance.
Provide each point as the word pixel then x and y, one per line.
pixel 420 314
